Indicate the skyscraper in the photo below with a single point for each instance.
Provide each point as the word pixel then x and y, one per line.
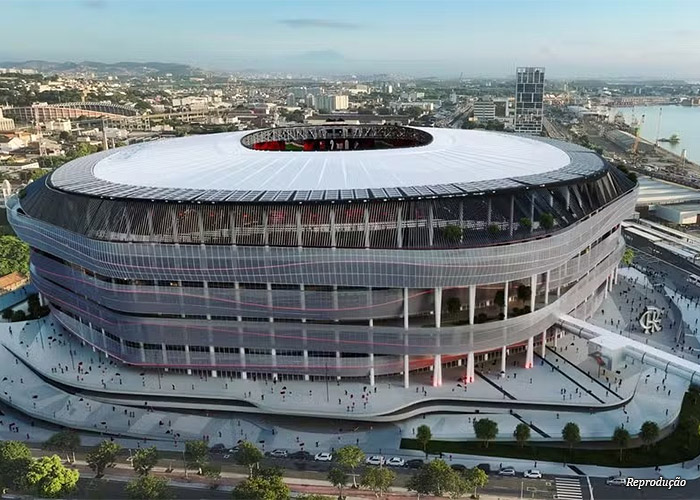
pixel 529 90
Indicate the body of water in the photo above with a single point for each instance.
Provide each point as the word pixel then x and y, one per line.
pixel 681 120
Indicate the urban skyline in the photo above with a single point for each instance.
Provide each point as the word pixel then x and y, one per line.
pixel 421 39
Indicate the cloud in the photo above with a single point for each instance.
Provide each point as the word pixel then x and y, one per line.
pixel 319 24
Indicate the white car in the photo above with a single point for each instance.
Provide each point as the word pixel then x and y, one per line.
pixel 375 460
pixel 396 462
pixel 279 453
pixel 533 474
pixel 616 481
pixel 507 471
pixel 324 456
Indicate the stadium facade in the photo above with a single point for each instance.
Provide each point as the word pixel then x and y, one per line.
pixel 351 252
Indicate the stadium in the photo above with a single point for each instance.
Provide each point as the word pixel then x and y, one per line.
pixel 342 252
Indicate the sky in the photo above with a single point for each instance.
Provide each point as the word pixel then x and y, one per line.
pixel 571 38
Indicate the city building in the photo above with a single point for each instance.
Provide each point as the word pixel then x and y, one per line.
pixel 398 250
pixel 67 111
pixel 484 110
pixel 329 103
pixel 6 124
pixel 529 93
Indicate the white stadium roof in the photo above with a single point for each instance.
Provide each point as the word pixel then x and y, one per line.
pixel 218 167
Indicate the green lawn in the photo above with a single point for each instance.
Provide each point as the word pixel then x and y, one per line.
pixel 681 445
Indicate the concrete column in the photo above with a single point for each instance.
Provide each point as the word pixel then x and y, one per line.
pixel 438 307
pixel 470 368
pixel 187 359
pixel 399 228
pixel 615 273
pixel 532 212
pixel 270 304
pixel 607 286
pixel 530 354
pixel 406 368
pixel 505 301
pixel 472 303
pixel 306 365
pixel 503 361
pixel 302 300
pixel 237 298
pixel 335 301
pixel 431 229
pixel 371 369
pixel 241 354
pixel 165 354
pixel 546 288
pixel 265 231
pixel 212 359
pixel 273 356
pixel 333 237
pixel 405 308
pixel 143 352
pixel 556 338
pixel 461 221
pixel 300 238
pixel 533 292
pixel 437 370
pixel 488 213
pixel 366 227
pixel 543 347
pixel 206 294
pixel 337 360
pixel 512 215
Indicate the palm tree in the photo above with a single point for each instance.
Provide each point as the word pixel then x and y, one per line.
pixel 621 437
pixel 338 478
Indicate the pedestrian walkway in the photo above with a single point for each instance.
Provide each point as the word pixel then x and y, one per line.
pixel 568 488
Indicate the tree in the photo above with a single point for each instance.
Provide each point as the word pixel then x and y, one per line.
pixel 621 437
pixel 378 479
pixel 525 223
pixel 571 435
pixel 454 305
pixel 48 477
pixel 522 434
pixel 452 233
pixel 102 457
pixel 546 220
pixel 14 256
pixel 15 459
pixel 438 479
pixel 248 455
pixel 477 478
pixel 147 487
pixel 493 229
pixel 649 432
pixel 144 460
pixel 486 430
pixel 338 478
pixel 65 442
pixel 351 457
pixel 261 487
pixel 314 496
pixel 628 257
pixel 196 454
pixel 423 437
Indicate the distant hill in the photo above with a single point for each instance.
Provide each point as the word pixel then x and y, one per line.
pixel 118 68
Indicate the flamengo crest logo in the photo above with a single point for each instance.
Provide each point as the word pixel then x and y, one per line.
pixel 650 321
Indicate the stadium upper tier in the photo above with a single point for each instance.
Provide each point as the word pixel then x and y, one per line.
pixel 327 163
pixel 401 188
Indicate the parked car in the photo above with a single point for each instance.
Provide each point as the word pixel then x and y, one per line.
pixel 301 455
pixel 279 453
pixel 414 463
pixel 616 481
pixel 218 448
pixel 458 467
pixel 532 474
pixel 324 456
pixel 396 462
pixel 507 471
pixel 375 460
pixel 485 467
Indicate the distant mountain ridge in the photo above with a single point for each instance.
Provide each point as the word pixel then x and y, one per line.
pixel 124 68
